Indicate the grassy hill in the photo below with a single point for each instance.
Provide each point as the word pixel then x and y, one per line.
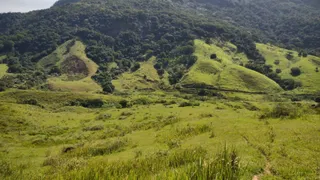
pixel 75 67
pixel 278 59
pixel 145 78
pixel 225 72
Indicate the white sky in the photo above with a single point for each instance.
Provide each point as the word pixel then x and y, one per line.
pixel 24 5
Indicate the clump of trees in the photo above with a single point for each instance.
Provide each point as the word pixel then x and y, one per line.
pixel 295 71
pixel 131 34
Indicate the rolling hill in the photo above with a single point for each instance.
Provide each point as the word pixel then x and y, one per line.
pixel 284 60
pixel 223 72
pixel 70 69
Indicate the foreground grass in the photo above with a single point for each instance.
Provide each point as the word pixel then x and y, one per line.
pixel 155 138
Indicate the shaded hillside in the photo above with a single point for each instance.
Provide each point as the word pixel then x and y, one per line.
pixel 289 23
pixel 123 33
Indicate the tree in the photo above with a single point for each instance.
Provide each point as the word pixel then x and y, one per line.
pixel 108 87
pixel 135 67
pixel 213 56
pixel 2 86
pixel 295 71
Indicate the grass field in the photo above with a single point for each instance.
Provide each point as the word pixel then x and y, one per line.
pixel 155 136
pixel 309 77
pixel 3 70
pixel 225 73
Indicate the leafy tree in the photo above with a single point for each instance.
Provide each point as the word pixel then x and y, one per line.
pixel 295 71
pixel 135 67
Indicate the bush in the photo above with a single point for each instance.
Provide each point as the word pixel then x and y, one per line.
pixel 94 128
pixel 103 116
pixel 108 148
pixel 282 111
pixel 213 56
pixel 33 102
pixel 317 99
pixel 295 71
pixel 277 62
pixel 2 86
pixel 87 103
pixel 124 103
pixel 160 72
pixel 142 101
pixel 185 104
pixel 135 67
pixel 278 71
pixel 289 56
pixel 289 84
pixel 317 69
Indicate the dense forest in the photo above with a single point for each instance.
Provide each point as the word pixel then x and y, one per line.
pixel 126 32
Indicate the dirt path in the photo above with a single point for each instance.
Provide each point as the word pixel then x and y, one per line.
pixel 267 168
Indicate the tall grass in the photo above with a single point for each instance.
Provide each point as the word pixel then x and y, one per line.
pixel 282 111
pixel 179 164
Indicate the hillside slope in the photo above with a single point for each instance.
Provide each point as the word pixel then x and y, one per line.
pixel 70 68
pixel 145 78
pixel 223 72
pixel 284 60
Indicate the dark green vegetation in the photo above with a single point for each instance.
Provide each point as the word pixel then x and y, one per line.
pixel 124 32
pixel 157 89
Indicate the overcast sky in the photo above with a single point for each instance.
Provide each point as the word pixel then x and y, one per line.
pixel 24 5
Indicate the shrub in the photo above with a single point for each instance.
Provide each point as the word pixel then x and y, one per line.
pixel 68 149
pixel 103 116
pixel 126 114
pixel 317 69
pixel 317 99
pixel 2 86
pixel 185 104
pixel 108 148
pixel 142 101
pixel 135 67
pixel 282 111
pixel 289 84
pixel 295 71
pixel 33 102
pixel 289 56
pixel 160 72
pixel 124 103
pixel 213 56
pixel 87 103
pixel 277 62
pixel 278 71
pixel 94 128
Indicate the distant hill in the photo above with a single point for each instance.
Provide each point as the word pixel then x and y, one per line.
pixel 126 34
